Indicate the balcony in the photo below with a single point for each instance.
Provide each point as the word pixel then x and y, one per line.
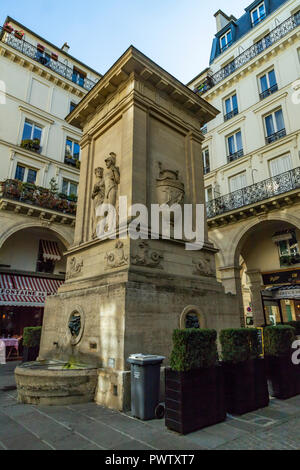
pixel 72 162
pixel 31 144
pixel 35 201
pixel 273 37
pixel 49 61
pixel 234 156
pixel 268 92
pixel 255 193
pixel 289 260
pixel 276 136
pixel 231 114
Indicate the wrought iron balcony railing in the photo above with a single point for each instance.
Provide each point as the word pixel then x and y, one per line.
pixel 231 114
pixel 276 136
pixel 268 92
pixel 235 156
pixel 37 196
pixel 257 192
pixel 48 61
pixel 274 36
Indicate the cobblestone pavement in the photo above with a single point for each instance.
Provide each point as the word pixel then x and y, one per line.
pixel 91 427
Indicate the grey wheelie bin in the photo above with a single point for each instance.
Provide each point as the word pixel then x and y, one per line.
pixel 145 385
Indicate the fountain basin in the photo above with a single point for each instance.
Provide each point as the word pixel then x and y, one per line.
pixel 50 383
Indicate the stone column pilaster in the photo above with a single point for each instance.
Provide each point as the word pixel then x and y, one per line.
pixel 231 280
pixel 256 286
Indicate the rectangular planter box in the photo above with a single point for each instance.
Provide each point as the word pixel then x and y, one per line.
pixel 246 386
pixel 30 354
pixel 194 399
pixel 283 377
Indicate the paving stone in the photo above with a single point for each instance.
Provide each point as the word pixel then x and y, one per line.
pixel 25 441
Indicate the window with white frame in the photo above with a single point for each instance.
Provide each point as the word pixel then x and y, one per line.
pixel 274 126
pixel 230 107
pixel 209 195
pixel 237 182
pixel 32 136
pixel 267 84
pixel 72 151
pixel 235 146
pixel 226 40
pixel 69 188
pixel 258 14
pixel 280 165
pixel 206 162
pixel 25 174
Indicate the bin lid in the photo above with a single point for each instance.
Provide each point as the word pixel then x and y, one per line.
pixel 145 359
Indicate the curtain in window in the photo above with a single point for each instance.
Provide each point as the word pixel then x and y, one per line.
pixel 270 125
pixel 272 78
pixel 238 182
pixel 239 143
pixel 280 165
pixel 279 120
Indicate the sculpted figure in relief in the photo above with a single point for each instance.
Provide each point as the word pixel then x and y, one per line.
pixel 98 197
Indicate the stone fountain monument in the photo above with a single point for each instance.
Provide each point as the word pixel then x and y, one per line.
pixel 141 139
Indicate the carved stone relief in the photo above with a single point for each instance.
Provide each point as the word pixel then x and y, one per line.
pixel 75 267
pixel 169 188
pixel 203 267
pixel 147 257
pixel 116 258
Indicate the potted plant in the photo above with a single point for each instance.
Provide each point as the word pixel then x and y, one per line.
pixel 282 373
pixel 244 373
pixel 19 34
pixel 54 56
pixel 31 343
pixel 194 382
pixel 8 28
pixel 40 48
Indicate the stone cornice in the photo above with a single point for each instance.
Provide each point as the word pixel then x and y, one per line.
pixel 133 64
pixel 36 114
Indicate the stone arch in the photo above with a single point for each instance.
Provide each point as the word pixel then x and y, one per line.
pixel 242 235
pixel 62 235
pixel 220 254
pixel 192 309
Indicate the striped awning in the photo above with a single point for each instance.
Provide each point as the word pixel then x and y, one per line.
pixel 50 250
pixel 25 291
pixel 6 281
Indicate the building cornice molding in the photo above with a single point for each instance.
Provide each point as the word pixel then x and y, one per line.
pixel 37 114
pixel 24 61
pixel 135 65
pixel 38 157
pixel 268 102
pixel 286 41
pixel 228 125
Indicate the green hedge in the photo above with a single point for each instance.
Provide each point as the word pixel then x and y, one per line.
pixel 278 340
pixel 32 336
pixel 296 325
pixel 239 344
pixel 193 349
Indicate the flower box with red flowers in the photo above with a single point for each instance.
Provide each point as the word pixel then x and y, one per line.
pixel 19 34
pixel 8 28
pixel 54 56
pixel 40 48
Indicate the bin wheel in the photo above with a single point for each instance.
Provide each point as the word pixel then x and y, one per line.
pixel 160 411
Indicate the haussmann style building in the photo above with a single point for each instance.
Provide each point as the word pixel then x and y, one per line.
pixel 251 157
pixel 40 84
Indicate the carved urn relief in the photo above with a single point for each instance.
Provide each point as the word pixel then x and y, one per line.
pixel 169 188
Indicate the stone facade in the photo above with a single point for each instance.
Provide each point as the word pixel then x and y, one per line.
pixel 143 126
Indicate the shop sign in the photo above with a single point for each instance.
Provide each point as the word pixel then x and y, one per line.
pixel 281 277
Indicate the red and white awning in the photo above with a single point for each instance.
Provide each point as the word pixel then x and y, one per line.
pixel 50 250
pixel 6 281
pixel 24 291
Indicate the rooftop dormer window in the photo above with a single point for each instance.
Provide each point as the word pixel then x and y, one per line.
pixel 258 14
pixel 226 40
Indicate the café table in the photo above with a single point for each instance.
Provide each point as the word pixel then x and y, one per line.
pixel 13 343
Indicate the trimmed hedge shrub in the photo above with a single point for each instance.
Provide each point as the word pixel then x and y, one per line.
pixel 278 340
pixel 239 344
pixel 193 349
pixel 32 336
pixel 296 325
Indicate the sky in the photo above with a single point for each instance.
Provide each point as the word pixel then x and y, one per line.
pixel 176 34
